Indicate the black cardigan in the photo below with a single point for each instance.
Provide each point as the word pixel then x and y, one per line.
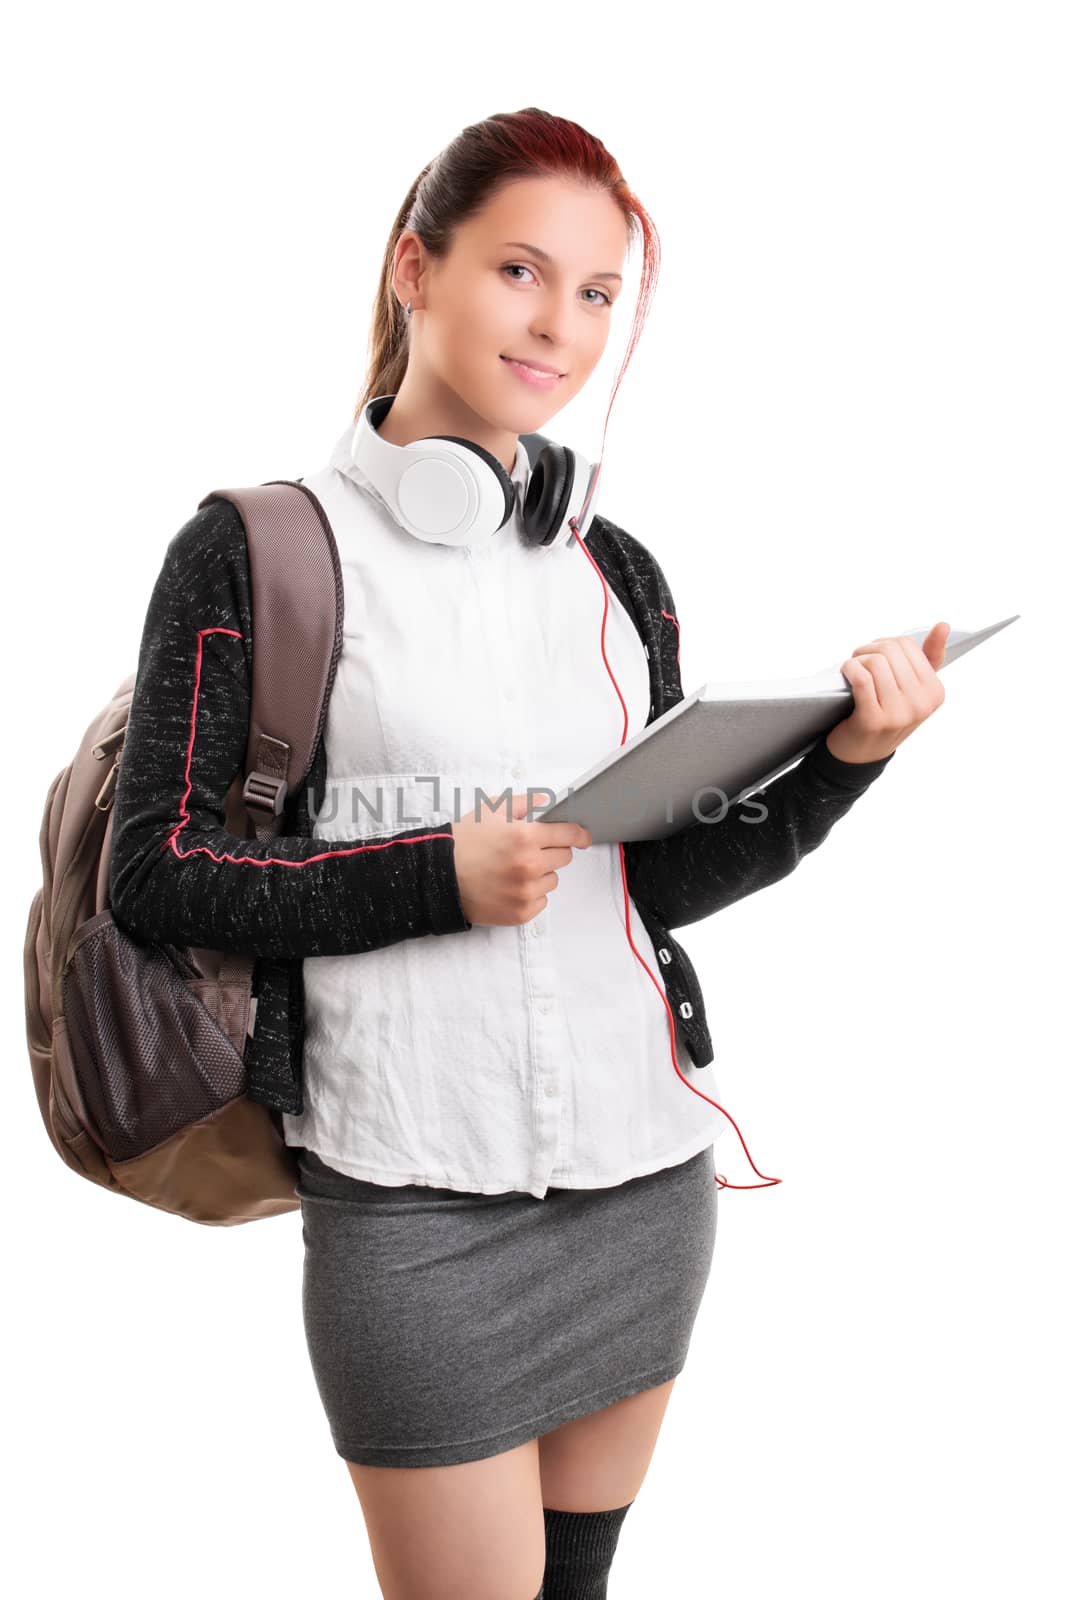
pixel 289 908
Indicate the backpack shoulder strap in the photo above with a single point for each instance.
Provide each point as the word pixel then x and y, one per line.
pixel 297 597
pixel 297 631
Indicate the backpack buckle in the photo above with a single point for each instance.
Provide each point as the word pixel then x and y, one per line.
pixel 105 797
pixel 265 793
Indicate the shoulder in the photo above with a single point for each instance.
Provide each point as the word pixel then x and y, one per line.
pixel 206 569
pixel 625 546
pixel 203 581
pixel 212 539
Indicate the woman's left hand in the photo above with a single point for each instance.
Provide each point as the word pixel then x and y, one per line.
pixel 895 686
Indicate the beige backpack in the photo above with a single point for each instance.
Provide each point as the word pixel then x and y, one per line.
pixel 137 1049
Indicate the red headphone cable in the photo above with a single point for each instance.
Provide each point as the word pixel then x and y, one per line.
pixel 719 1177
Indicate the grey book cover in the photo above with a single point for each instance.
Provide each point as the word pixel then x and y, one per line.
pixel 719 744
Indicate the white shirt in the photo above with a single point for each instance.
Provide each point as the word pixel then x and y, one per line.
pixel 496 1058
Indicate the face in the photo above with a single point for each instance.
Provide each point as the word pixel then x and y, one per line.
pixel 492 297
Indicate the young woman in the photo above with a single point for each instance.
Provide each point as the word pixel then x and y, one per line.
pixel 507 1179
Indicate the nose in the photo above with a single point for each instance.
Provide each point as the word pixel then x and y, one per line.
pixel 554 325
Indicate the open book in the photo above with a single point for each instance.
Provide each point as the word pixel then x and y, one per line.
pixel 718 745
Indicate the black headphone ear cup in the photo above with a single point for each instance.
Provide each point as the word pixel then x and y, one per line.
pixel 548 493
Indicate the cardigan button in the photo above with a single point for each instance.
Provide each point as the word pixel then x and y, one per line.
pixel 686 1009
pixel 664 955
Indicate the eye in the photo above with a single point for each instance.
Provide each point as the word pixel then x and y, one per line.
pixel 517 266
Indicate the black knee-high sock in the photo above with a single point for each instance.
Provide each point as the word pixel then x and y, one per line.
pixel 579 1548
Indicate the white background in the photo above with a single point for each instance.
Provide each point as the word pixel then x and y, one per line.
pixel 845 419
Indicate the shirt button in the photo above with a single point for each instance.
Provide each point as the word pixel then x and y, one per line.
pixel 516 772
pixel 544 1004
pixel 550 1091
pixel 535 928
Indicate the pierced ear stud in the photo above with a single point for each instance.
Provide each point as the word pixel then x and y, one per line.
pixel 407 311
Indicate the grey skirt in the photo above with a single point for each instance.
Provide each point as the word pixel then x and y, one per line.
pixel 444 1326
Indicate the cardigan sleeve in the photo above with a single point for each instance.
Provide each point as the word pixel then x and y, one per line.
pixel 177 875
pixel 708 865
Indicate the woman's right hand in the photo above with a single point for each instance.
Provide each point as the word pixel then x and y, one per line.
pixel 508 866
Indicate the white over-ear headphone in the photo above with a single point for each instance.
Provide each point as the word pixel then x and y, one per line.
pixel 450 491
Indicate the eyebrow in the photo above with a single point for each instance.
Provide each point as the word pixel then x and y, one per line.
pixel 542 255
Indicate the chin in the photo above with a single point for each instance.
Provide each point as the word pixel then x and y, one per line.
pixel 514 418
pixel 515 413
pixel 532 413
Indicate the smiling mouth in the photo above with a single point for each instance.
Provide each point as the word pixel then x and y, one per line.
pixel 527 366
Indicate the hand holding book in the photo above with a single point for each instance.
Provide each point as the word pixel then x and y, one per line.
pixel 895 685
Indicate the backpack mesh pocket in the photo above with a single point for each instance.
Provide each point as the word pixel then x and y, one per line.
pixel 147 1055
